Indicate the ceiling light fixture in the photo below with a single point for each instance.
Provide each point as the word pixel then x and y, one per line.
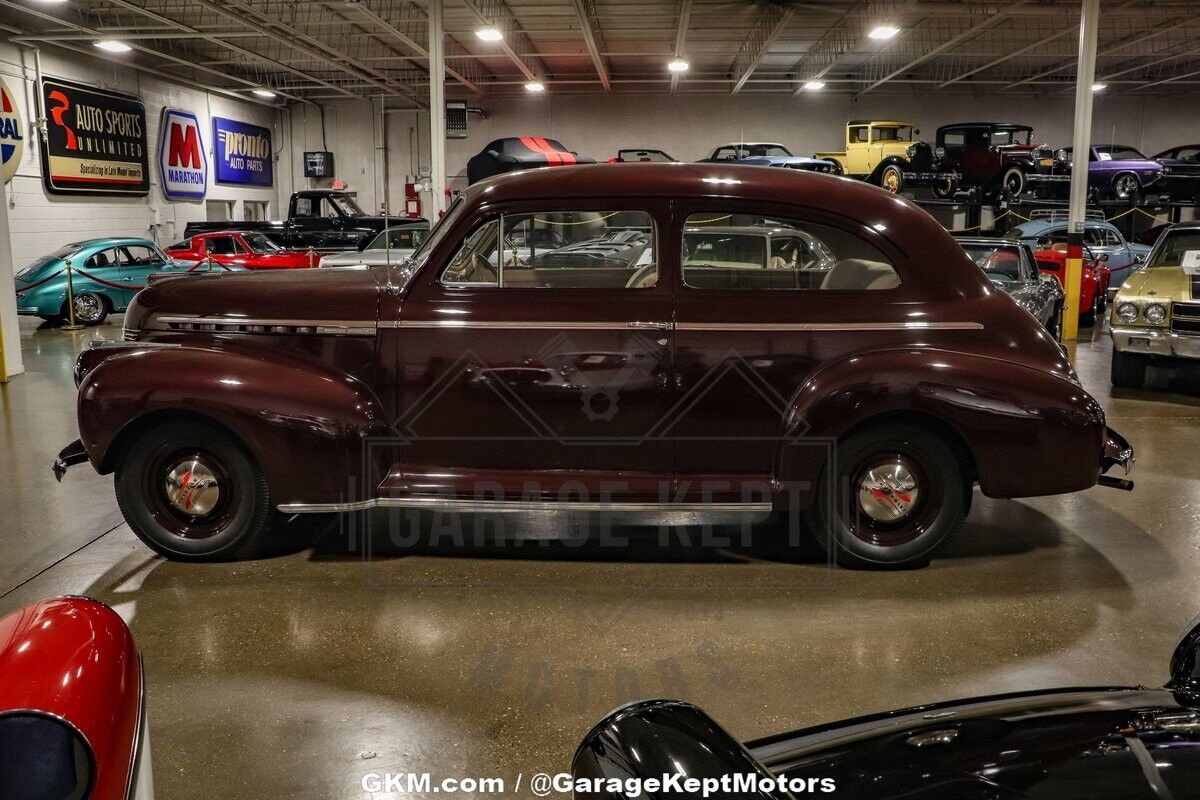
pixel 112 46
pixel 489 33
pixel 267 93
pixel 883 31
pixel 535 87
pixel 814 86
pixel 1099 87
pixel 678 65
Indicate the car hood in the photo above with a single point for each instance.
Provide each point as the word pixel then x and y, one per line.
pixel 1007 746
pixel 1168 283
pixel 295 295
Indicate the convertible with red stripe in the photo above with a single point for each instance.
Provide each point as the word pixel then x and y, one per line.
pixel 520 152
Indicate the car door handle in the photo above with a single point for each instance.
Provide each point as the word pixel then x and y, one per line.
pixel 649 326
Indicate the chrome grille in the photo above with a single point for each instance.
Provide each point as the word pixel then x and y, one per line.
pixel 1185 318
pixel 1196 287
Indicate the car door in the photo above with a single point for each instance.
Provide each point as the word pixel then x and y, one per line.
pixel 1121 259
pixel 314 222
pixel 137 263
pixel 101 273
pixel 749 334
pixel 534 357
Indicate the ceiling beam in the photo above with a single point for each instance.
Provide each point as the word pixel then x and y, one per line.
pixel 586 11
pixel 498 14
pixel 413 44
pixel 755 46
pixel 946 45
pixel 681 26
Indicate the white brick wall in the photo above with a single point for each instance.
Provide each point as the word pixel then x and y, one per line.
pixel 41 222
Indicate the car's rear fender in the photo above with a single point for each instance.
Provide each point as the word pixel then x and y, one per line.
pixel 302 421
pixel 1025 431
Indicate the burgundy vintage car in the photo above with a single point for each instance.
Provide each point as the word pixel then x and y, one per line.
pixel 601 338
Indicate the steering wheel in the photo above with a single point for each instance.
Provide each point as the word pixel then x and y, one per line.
pixel 643 277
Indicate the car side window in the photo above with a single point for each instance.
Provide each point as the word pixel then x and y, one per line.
pixel 747 251
pixel 858 133
pixel 1093 237
pixel 139 256
pixel 221 245
pixel 953 139
pixel 305 207
pixel 1112 238
pixel 104 258
pixel 559 250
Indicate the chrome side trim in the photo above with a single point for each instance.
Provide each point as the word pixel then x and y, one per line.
pixel 829 326
pixel 231 324
pixel 687 326
pixel 128 344
pixel 516 506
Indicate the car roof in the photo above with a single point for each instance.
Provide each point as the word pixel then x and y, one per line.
pixel 754 144
pixel 878 122
pixel 112 241
pixel 748 230
pixel 1013 125
pixel 989 240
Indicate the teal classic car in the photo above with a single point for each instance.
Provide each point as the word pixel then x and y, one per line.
pixel 107 274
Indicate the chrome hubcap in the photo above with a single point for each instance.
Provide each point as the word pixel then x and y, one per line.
pixel 192 488
pixel 1125 186
pixel 87 307
pixel 891 181
pixel 888 493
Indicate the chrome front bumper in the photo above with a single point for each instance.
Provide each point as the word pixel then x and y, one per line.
pixel 1156 342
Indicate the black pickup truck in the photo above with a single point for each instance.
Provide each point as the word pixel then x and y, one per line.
pixel 324 219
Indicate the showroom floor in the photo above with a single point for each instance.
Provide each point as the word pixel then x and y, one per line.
pixel 293 676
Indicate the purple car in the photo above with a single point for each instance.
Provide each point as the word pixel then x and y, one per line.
pixel 1116 172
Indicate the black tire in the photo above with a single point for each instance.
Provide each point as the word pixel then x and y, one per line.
pixel 1055 323
pixel 1128 370
pixel 240 517
pixel 90 309
pixel 946 189
pixel 853 535
pixel 891 179
pixel 1126 187
pixel 1087 319
pixel 1013 182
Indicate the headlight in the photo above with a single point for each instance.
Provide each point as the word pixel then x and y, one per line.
pixel 1060 154
pixel 1155 313
pixel 910 151
pixel 940 152
pixel 1127 312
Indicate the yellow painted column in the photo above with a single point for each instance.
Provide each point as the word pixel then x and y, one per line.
pixel 1074 278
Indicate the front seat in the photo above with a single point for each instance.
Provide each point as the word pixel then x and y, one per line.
pixel 860 273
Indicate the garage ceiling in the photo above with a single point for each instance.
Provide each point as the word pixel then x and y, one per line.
pixel 336 49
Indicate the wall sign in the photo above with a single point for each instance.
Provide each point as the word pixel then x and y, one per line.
pixel 95 141
pixel 182 163
pixel 12 132
pixel 243 153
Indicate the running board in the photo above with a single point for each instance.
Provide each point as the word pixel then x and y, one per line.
pixel 467 506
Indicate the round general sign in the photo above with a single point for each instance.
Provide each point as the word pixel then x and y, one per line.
pixel 12 132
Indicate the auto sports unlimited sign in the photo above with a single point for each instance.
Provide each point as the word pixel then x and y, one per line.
pixel 95 141
pixel 243 153
pixel 12 132
pixel 182 163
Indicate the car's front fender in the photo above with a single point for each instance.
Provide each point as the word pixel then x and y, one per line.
pixel 302 420
pixel 1028 432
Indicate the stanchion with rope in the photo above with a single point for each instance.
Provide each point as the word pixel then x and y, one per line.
pixel 72 326
pixel 311 254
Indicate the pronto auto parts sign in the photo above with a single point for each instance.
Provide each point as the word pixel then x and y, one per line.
pixel 12 132
pixel 95 141
pixel 243 153
pixel 182 163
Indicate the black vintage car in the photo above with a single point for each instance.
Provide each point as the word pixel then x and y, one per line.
pixel 1181 172
pixel 1099 743
pixel 998 157
pixel 1012 267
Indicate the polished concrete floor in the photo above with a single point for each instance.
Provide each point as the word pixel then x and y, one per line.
pixel 295 675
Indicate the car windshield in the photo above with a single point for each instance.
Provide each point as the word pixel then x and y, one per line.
pixel 1025 231
pixel 1119 152
pixel 1004 136
pixel 891 133
pixel 345 204
pixel 260 243
pixel 1178 248
pixel 1000 262
pixel 397 239
pixel 643 155
pixel 438 231
pixel 764 151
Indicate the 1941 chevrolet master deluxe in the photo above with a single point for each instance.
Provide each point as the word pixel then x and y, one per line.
pixel 601 338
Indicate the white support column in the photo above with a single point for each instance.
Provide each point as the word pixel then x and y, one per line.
pixel 10 334
pixel 437 110
pixel 1085 77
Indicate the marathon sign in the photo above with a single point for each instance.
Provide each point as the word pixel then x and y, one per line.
pixel 95 141
pixel 182 163
pixel 244 155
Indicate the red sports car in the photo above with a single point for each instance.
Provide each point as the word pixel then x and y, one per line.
pixel 246 249
pixel 1095 274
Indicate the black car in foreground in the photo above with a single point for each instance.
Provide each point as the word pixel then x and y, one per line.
pixel 1098 743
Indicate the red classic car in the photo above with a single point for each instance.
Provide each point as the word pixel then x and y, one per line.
pixel 72 714
pixel 1053 261
pixel 557 341
pixel 247 249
